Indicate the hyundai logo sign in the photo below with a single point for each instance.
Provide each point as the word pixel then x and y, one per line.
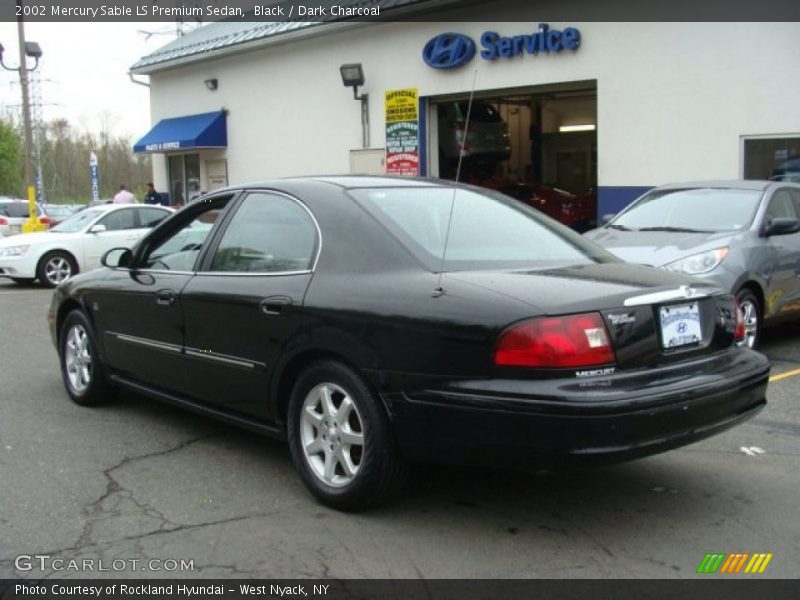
pixel 448 50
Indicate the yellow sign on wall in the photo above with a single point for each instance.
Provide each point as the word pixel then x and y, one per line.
pixel 401 105
pixel 402 132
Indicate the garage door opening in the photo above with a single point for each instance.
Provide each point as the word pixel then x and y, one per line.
pixel 538 145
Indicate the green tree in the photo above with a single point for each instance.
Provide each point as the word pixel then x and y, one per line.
pixel 11 157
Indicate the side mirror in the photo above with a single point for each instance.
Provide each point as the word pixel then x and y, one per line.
pixel 117 258
pixel 97 228
pixel 606 219
pixel 781 226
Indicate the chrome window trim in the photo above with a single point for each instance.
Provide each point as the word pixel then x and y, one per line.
pixel 250 273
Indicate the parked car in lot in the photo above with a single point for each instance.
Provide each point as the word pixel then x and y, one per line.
pixel 53 214
pixel 741 235
pixel 13 215
pixel 377 321
pixel 76 244
pixel 573 210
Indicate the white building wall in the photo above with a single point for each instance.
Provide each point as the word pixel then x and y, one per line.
pixel 674 99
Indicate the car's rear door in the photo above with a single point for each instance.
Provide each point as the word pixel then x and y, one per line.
pixel 246 300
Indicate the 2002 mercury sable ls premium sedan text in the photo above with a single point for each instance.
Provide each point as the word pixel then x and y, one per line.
pixel 375 322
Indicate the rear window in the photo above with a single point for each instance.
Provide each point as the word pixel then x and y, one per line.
pixel 485 231
pixel 480 112
pixel 14 210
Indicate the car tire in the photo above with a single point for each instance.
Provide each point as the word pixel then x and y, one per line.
pixel 753 315
pixel 341 439
pixel 83 373
pixel 55 267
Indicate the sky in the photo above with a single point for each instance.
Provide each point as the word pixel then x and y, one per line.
pixel 84 72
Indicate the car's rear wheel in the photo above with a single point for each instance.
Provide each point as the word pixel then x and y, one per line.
pixel 341 440
pixel 751 309
pixel 56 267
pixel 81 369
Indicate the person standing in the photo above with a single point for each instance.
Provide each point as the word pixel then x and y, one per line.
pixel 152 196
pixel 124 196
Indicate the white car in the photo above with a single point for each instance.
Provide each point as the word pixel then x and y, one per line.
pixel 76 244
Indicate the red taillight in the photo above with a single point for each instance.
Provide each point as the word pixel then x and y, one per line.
pixel 3 221
pixel 45 220
pixel 570 341
pixel 739 332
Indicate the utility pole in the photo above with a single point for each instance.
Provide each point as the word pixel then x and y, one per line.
pixel 26 49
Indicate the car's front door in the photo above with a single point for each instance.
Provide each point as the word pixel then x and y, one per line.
pixel 783 285
pixel 246 300
pixel 140 308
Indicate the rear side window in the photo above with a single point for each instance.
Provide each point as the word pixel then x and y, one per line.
pixel 14 210
pixel 486 231
pixel 150 217
pixel 268 234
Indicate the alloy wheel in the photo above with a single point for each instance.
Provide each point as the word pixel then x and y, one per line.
pixel 57 269
pixel 78 359
pixel 750 313
pixel 332 435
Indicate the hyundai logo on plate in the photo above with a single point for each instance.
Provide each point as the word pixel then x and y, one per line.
pixel 448 50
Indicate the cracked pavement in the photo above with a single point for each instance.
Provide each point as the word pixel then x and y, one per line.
pixel 138 480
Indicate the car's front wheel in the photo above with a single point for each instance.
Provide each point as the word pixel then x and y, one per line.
pixel 81 368
pixel 341 440
pixel 751 310
pixel 56 267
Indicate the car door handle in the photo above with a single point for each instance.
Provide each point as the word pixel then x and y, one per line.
pixel 165 297
pixel 274 305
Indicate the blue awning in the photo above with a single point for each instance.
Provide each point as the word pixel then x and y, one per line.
pixel 205 130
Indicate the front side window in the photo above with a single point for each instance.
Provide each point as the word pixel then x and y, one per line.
pixel 179 250
pixel 268 234
pixel 781 206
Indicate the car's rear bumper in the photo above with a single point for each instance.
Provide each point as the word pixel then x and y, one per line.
pixel 603 419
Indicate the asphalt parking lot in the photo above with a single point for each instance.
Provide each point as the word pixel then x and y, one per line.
pixel 138 481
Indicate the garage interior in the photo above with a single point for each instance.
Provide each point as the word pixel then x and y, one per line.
pixel 537 144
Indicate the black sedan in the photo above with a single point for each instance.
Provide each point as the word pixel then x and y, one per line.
pixel 375 322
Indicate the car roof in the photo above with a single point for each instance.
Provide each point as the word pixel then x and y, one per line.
pixel 343 182
pixel 733 184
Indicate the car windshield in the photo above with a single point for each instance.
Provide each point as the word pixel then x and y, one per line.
pixel 696 209
pixel 77 221
pixel 486 231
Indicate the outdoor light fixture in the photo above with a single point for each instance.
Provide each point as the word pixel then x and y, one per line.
pixel 570 128
pixel 212 84
pixel 33 50
pixel 353 76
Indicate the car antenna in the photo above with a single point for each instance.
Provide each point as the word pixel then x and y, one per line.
pixel 439 289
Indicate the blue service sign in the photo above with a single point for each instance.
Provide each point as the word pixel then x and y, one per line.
pixel 450 50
